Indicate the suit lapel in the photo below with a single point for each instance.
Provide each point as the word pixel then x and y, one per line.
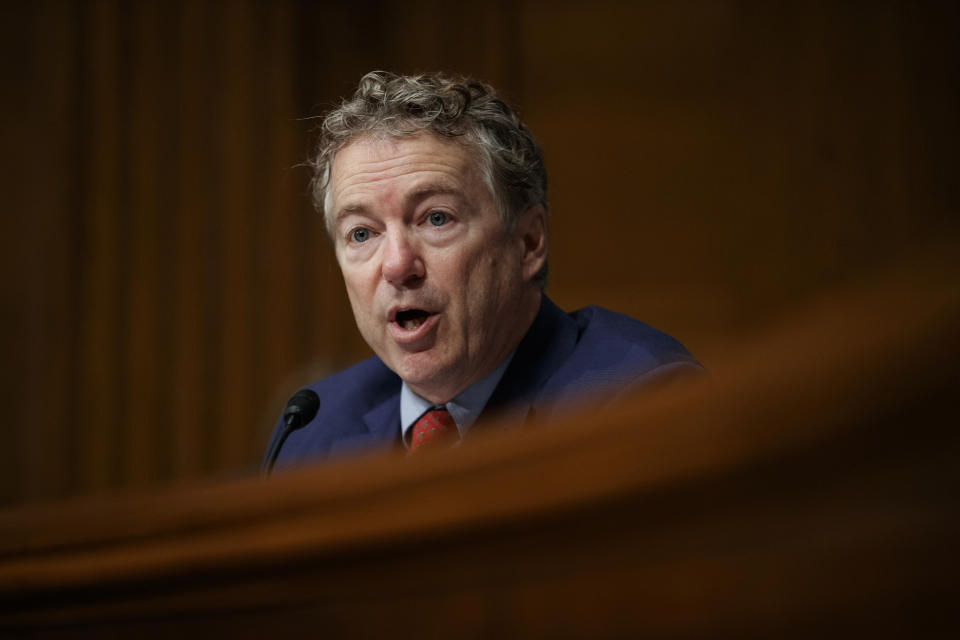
pixel 381 426
pixel 546 345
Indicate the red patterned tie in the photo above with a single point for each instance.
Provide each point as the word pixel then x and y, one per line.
pixel 433 427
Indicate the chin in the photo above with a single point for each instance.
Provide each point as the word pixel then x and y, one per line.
pixel 427 375
pixel 415 369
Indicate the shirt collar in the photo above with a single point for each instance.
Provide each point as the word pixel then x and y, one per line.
pixel 465 408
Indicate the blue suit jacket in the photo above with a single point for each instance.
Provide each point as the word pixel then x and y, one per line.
pixel 563 357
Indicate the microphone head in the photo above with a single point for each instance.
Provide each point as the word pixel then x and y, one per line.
pixel 301 408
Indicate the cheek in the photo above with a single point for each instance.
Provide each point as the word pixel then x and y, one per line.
pixel 357 278
pixel 359 295
pixel 475 275
pixel 492 268
pixel 484 283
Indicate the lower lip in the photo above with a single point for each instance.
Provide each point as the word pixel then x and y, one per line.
pixel 410 337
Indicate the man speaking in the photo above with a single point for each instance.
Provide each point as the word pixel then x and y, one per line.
pixel 434 195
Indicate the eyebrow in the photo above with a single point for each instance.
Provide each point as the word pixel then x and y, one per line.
pixel 417 195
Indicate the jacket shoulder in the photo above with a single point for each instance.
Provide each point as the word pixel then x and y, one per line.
pixel 615 353
pixel 624 339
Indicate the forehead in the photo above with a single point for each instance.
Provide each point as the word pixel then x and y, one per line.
pixel 373 167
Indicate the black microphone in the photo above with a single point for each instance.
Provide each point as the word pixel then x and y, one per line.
pixel 300 410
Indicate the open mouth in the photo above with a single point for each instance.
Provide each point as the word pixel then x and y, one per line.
pixel 410 319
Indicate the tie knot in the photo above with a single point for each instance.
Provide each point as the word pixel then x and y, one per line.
pixel 434 426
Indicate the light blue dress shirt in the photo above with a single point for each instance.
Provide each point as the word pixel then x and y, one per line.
pixel 465 408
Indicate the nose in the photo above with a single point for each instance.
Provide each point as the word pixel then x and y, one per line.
pixel 402 264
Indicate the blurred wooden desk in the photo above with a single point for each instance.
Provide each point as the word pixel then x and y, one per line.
pixel 808 489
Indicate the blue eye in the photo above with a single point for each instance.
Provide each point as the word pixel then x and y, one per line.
pixel 360 235
pixel 437 218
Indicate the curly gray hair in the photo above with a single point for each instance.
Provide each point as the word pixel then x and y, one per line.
pixel 454 107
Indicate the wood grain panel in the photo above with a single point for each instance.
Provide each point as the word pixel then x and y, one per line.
pixel 234 211
pixel 47 253
pixel 143 311
pixel 98 398
pixel 191 406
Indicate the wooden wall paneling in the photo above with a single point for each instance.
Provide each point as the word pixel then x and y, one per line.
pixel 931 104
pixel 213 317
pixel 257 174
pixel 273 159
pixel 750 154
pixel 14 135
pixel 145 201
pixel 845 202
pixel 476 39
pixel 278 292
pixel 99 397
pixel 633 104
pixel 234 210
pixel 193 409
pixel 166 123
pixel 272 228
pixel 47 256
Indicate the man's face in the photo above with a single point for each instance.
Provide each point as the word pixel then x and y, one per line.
pixel 439 289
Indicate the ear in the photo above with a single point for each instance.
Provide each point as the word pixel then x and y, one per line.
pixel 531 232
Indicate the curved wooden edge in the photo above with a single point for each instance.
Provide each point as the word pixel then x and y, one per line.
pixel 856 358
